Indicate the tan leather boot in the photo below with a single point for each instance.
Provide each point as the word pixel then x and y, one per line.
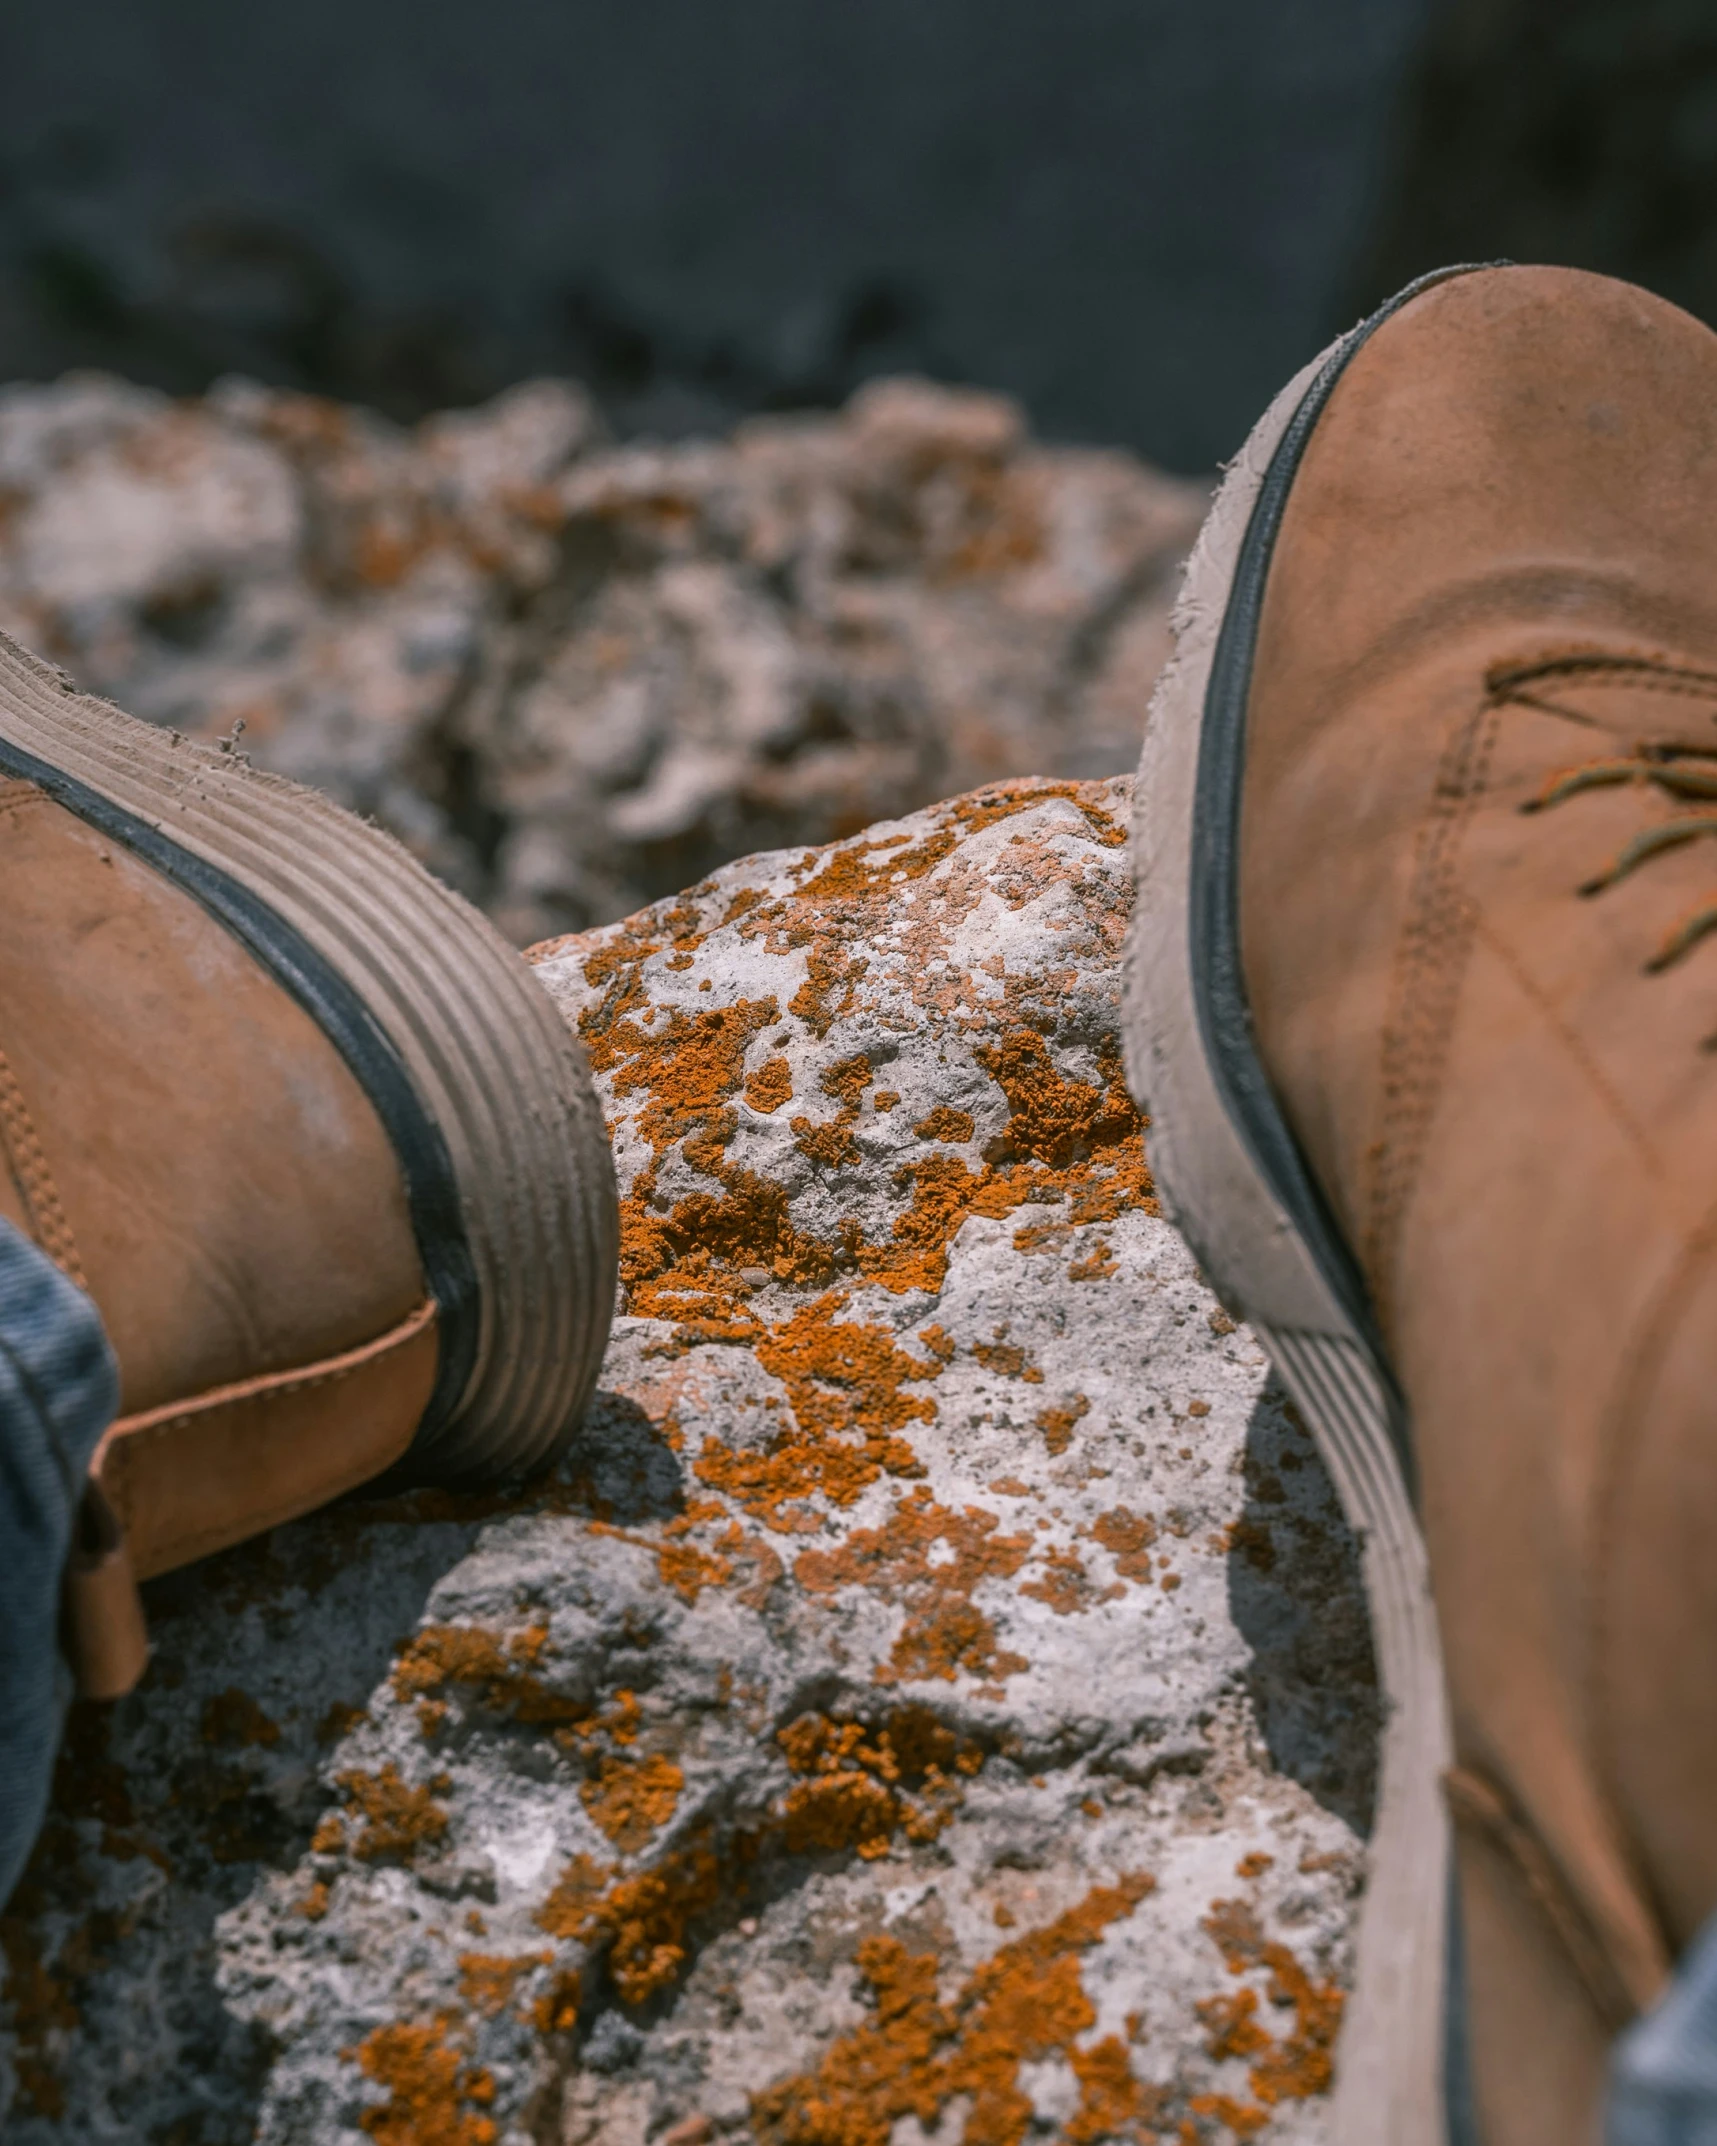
pixel 1424 1008
pixel 309 1133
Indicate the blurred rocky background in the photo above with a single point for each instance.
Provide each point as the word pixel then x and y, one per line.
pixel 574 676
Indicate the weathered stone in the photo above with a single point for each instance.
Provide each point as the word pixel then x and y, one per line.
pixel 933 1701
pixel 572 678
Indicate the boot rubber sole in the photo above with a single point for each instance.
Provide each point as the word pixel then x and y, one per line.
pixel 1235 1183
pixel 483 1091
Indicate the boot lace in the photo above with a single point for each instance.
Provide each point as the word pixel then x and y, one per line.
pixel 1685 772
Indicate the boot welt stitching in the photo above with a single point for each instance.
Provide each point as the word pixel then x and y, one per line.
pixel 136 1433
pixel 271 1386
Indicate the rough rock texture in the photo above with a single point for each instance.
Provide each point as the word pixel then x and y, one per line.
pixel 573 678
pixel 933 1702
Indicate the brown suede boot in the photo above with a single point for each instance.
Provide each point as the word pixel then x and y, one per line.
pixel 308 1132
pixel 1424 1009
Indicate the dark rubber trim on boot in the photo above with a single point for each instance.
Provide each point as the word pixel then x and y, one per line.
pixel 1232 1175
pixel 1219 983
pixel 432 1191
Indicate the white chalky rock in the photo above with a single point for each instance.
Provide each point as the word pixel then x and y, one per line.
pixel 933 1702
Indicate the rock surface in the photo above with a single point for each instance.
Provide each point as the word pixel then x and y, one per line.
pixel 932 1703
pixel 574 677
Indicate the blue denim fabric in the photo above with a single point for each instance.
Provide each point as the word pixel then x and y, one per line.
pixel 59 1390
pixel 1663 2071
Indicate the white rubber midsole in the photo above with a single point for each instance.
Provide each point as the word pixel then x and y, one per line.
pixel 1389 2088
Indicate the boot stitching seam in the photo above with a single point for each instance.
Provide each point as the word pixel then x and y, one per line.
pixel 33 1175
pixel 150 1424
pixel 1431 953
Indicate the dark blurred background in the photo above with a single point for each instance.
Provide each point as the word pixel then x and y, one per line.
pixel 1137 216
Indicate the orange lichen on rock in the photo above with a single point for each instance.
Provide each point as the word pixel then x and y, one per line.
pixel 945 1123
pixel 1243 2119
pixel 487 1980
pixel 1007 1359
pixel 893 2066
pixel 568 1910
pixel 1057 1423
pixel 501 1672
pixel 641 1919
pixel 1064 1138
pixel 398 1819
pixel 854 1789
pixel 830 988
pixel 939 1342
pixel 1114 2102
pixel 1064 1584
pixel 630 1799
pixel 683 1264
pixel 770 1086
pixel 844 1381
pixel 1230 2022
pixel 918 2053
pixel 431 2088
pixel 688 1570
pixel 620 1723
pixel 314 1904
pixel 556 2010
pixel 1291 2067
pixel 853 1793
pixel 687 1070
pixel 846 1080
pixel 1127 1536
pixel 830 1146
pixel 944 1192
pixel 233 1720
pixel 1025 2004
pixel 1057 1120
pixel 931 1559
pixel 841 1810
